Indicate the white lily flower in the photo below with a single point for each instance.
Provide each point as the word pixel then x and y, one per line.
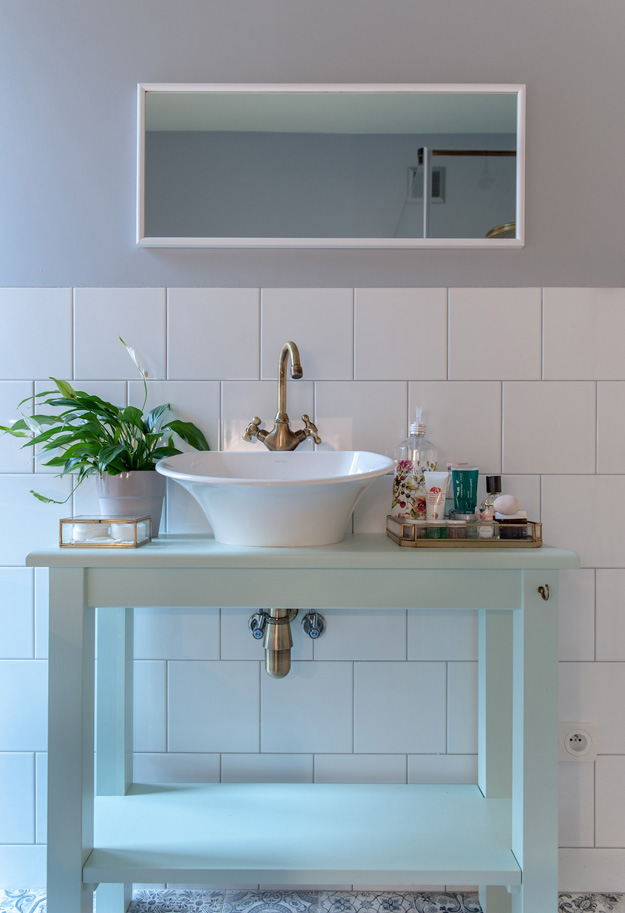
pixel 135 358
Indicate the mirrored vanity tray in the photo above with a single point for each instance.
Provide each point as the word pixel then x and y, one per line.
pixel 449 534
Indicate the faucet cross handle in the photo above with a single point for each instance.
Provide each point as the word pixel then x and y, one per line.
pixel 252 429
pixel 310 429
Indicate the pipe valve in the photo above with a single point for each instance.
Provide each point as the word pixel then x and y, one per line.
pixel 313 624
pixel 256 624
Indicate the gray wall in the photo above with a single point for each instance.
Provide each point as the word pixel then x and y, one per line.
pixel 68 72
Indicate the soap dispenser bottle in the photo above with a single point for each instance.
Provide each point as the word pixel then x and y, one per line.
pixel 413 457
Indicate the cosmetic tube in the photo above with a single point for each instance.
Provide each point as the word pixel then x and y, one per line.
pixel 435 491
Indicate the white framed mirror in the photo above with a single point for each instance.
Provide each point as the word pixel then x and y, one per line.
pixel 331 166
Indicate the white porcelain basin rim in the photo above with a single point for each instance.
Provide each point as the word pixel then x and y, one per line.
pixel 274 468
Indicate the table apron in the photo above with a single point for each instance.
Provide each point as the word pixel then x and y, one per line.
pixel 356 588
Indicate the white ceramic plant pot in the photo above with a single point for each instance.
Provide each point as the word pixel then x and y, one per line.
pixel 133 494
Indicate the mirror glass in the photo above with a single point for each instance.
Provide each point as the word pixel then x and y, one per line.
pixel 330 166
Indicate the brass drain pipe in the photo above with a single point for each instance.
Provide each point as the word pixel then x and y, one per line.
pixel 277 641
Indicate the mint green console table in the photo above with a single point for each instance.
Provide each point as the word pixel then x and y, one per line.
pixel 106 832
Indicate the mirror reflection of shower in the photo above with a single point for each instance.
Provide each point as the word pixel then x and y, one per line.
pixel 468 192
pixel 485 180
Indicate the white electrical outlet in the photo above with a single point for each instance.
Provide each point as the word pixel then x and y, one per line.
pixel 577 742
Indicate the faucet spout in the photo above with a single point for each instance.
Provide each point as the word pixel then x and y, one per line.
pixel 297 372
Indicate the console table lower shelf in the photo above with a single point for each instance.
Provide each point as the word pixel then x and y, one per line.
pixel 294 834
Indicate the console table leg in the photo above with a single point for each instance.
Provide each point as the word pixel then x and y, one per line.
pixel 113 898
pixel 495 899
pixel 115 638
pixel 535 745
pixel 70 742
pixel 114 701
pixel 495 725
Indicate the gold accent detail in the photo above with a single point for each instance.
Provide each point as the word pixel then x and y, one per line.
pixel 281 436
pixel 278 641
pixel 135 542
pixel 507 230
pixel 404 533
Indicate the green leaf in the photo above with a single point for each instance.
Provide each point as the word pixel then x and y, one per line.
pixel 133 416
pixel 161 452
pixel 58 436
pixel 153 417
pixel 66 389
pixel 51 500
pixel 17 429
pixel 189 433
pixel 76 462
pixel 32 425
pixel 73 403
pixel 46 419
pixel 108 455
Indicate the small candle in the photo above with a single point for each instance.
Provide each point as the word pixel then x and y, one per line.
pixel 83 531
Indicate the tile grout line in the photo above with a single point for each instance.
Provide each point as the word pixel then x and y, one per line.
pixel 353 334
pixel 542 334
pixel 448 333
pixel 73 333
pixel 167 327
pixel 36 795
pixel 260 334
pixel 596 427
pixel 594 614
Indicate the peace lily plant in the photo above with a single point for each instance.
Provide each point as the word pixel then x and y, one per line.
pixel 89 435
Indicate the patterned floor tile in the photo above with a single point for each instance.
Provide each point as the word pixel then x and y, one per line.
pixel 447 903
pixel 172 901
pixel 271 902
pixel 23 901
pixel 395 902
pixel 365 902
pixel 591 903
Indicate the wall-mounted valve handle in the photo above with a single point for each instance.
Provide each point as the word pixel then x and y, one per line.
pixel 313 624
pixel 256 624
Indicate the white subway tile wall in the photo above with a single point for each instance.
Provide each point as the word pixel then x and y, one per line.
pixel 225 341
pixel 576 787
pixel 549 427
pixel 392 348
pixel 321 323
pixel 610 433
pixel 494 334
pixel 523 381
pixel 102 316
pixel 610 798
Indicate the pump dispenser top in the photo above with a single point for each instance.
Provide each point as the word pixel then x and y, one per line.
pixel 417 427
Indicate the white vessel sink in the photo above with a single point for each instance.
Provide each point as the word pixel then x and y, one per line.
pixel 276 498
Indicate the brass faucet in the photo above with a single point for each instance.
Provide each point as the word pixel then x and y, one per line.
pixel 281 437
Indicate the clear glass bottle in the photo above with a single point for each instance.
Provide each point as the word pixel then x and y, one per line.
pixel 413 457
